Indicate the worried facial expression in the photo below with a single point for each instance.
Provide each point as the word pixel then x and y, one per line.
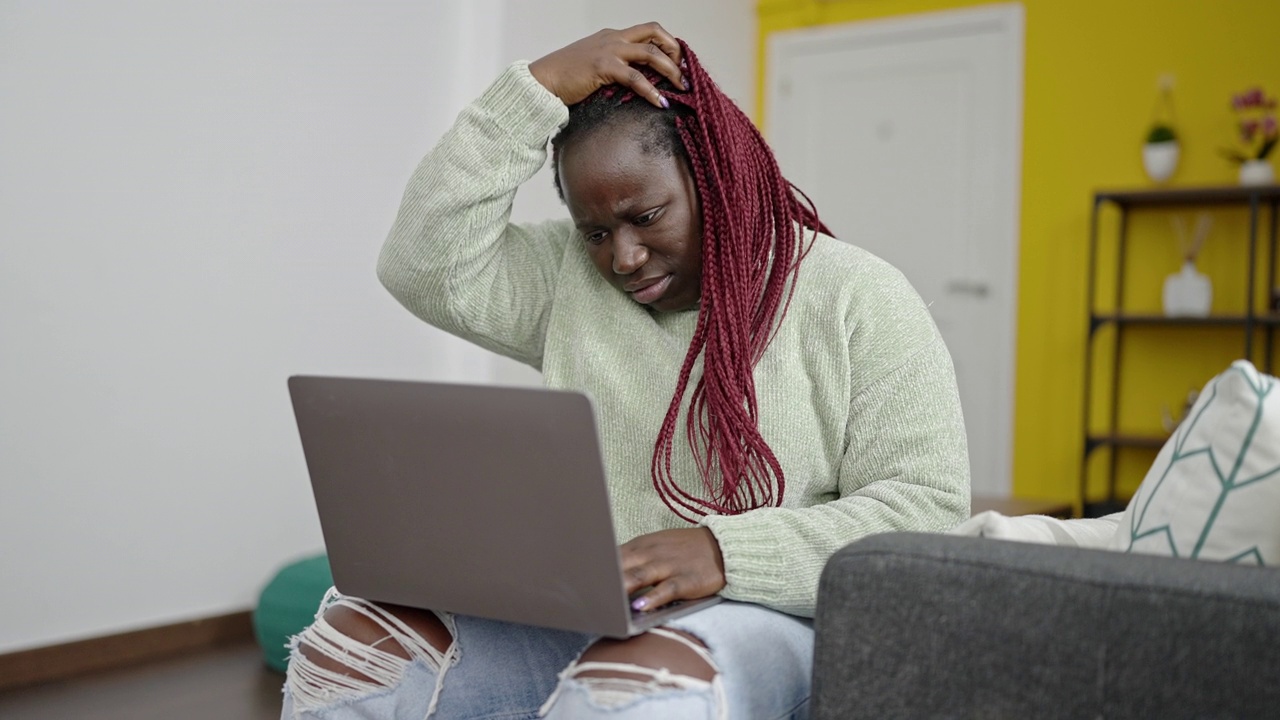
pixel 637 211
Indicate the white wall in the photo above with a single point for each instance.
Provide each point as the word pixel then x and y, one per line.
pixel 192 197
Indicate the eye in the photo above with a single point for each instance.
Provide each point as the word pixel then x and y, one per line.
pixel 595 237
pixel 647 217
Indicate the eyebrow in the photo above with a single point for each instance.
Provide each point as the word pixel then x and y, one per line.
pixel 633 206
pixel 629 210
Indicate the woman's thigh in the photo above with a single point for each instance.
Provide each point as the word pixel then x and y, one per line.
pixel 497 669
pixel 764 657
pixel 490 669
pixel 504 669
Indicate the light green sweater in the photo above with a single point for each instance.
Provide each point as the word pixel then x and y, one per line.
pixel 857 393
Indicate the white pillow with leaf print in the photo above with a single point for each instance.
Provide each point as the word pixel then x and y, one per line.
pixel 1214 490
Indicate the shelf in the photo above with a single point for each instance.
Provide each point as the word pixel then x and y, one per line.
pixel 1154 442
pixel 1258 331
pixel 1099 319
pixel 1216 195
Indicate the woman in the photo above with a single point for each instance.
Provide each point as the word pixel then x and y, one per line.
pixel 765 394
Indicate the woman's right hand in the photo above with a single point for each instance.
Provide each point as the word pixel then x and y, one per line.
pixel 575 71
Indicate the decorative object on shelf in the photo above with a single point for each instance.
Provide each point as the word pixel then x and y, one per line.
pixel 1257 172
pixel 1169 421
pixel 1256 121
pixel 1160 154
pixel 1161 151
pixel 1188 293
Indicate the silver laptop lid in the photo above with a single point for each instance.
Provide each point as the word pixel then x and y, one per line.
pixel 487 501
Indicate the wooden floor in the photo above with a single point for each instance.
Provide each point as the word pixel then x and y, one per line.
pixel 229 682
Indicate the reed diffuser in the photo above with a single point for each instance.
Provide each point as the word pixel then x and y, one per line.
pixel 1188 293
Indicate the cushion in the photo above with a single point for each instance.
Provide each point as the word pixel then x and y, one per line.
pixel 288 605
pixel 1214 490
pixel 1085 532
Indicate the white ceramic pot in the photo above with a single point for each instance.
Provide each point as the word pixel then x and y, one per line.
pixel 1160 160
pixel 1257 172
pixel 1187 293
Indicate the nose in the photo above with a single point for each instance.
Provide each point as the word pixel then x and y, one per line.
pixel 629 254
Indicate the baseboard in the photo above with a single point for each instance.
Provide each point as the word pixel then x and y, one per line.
pixel 74 659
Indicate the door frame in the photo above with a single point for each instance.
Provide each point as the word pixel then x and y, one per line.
pixel 1008 21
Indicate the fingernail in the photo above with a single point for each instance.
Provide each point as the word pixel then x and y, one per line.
pixel 684 81
pixel 663 100
pixel 639 603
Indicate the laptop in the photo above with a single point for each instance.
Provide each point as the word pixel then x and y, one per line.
pixel 477 500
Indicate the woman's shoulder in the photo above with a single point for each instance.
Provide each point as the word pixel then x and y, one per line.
pixel 841 272
pixel 868 297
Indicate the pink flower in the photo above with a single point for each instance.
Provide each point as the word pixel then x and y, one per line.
pixel 1252 98
pixel 1256 117
pixel 1248 128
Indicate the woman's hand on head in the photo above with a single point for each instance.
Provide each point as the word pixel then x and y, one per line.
pixel 575 71
pixel 682 564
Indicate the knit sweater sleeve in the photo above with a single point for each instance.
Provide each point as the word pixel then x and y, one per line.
pixel 452 258
pixel 905 467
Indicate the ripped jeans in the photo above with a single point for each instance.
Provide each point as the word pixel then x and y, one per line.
pixel 762 659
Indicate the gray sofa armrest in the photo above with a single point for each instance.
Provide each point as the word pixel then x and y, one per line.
pixel 921 625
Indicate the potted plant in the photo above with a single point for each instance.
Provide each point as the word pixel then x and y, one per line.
pixel 1160 153
pixel 1161 150
pixel 1256 122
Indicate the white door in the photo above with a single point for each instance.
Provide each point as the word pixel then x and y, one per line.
pixel 906 133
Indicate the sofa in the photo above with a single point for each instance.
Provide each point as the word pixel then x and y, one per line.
pixel 914 625
pixel 1169 609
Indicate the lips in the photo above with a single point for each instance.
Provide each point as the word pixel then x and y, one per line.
pixel 649 290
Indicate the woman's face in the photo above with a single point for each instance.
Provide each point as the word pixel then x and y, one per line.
pixel 638 215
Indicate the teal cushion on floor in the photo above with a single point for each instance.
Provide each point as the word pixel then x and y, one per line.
pixel 288 605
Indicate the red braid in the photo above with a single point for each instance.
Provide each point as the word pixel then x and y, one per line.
pixel 752 245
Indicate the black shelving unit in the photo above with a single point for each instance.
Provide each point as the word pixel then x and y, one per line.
pixel 1126 201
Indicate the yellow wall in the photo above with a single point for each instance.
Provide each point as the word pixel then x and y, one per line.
pixel 1090 86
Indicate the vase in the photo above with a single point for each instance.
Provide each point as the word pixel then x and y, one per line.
pixel 1257 172
pixel 1160 159
pixel 1187 293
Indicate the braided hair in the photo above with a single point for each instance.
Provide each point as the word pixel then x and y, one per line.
pixel 753 241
